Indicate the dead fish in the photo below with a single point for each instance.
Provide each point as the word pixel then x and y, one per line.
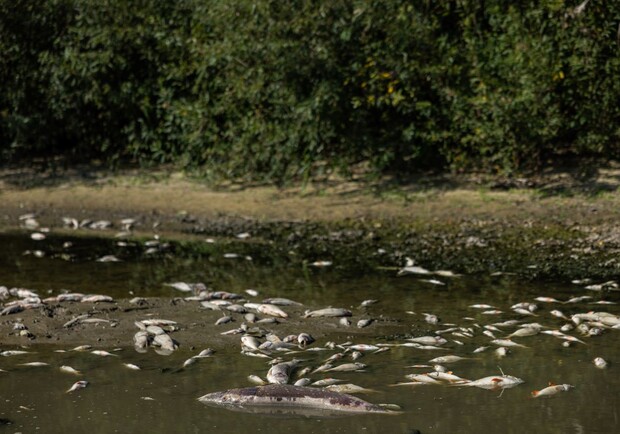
pixel 492 312
pixel 422 378
pixel 600 363
pixel 494 382
pixel 558 314
pixel 552 389
pixel 344 322
pixel 77 386
pixel 364 323
pixel 348 388
pixel 269 309
pixel 367 303
pixel 224 320
pixel 70 370
pixel 304 339
pixel 326 382
pixel 347 367
pixel 302 382
pixel 506 343
pixel 579 299
pixel 447 377
pixel 481 306
pixel 294 397
pixel 165 342
pixel 501 352
pixel 430 318
pixel 321 264
pixel 328 312
pixel 103 353
pixel 34 364
pixel 524 331
pixel 251 292
pixel 547 300
pixel 255 379
pixel 280 373
pixel 12 309
pixel 13 353
pixel 108 258
pixel 363 347
pixel 278 301
pixel 356 355
pixel 447 359
pixel 69 297
pixel 131 366
pixel 82 348
pixel 97 298
pixel 480 350
pixel 410 268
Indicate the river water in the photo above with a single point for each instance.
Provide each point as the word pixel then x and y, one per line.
pixel 160 398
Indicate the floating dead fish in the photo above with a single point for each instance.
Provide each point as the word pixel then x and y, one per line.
pixel 430 318
pixel 37 236
pixel 255 379
pixel 494 382
pixel 78 385
pixel 524 332
pixel 348 388
pixel 367 303
pixel 103 353
pixel 481 306
pixel 108 258
pixel 364 323
pixel 321 264
pixel 302 382
pixel 447 359
pixel 34 364
pixel 327 312
pixel 280 373
pixel 347 367
pixel 9 353
pixel 410 268
pixel 552 389
pixel 502 352
pixel 506 343
pixel 131 366
pixel 326 382
pixel 600 363
pixel 547 300
pixel 69 370
pixel 292 400
pixel 363 347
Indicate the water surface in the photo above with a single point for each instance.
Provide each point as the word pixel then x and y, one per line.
pixel 162 398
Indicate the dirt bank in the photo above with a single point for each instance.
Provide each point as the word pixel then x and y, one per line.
pixel 558 224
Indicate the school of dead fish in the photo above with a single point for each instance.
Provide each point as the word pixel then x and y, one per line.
pixel 285 354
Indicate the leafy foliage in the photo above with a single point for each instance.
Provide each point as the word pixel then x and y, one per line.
pixel 273 90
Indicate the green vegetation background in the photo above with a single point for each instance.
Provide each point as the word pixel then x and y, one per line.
pixel 274 90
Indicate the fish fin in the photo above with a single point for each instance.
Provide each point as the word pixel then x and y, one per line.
pixel 496 380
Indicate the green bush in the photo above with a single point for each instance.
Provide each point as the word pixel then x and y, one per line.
pixel 272 90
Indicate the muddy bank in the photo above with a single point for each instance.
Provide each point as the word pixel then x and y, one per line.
pixel 111 325
pixel 557 225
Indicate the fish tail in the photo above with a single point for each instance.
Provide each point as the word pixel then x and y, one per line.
pixel 535 393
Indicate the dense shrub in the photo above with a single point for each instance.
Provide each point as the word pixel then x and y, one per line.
pixel 271 89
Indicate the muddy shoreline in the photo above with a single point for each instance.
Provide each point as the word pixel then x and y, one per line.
pixel 465 227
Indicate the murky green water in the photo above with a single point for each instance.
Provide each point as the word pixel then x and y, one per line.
pixel 160 398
